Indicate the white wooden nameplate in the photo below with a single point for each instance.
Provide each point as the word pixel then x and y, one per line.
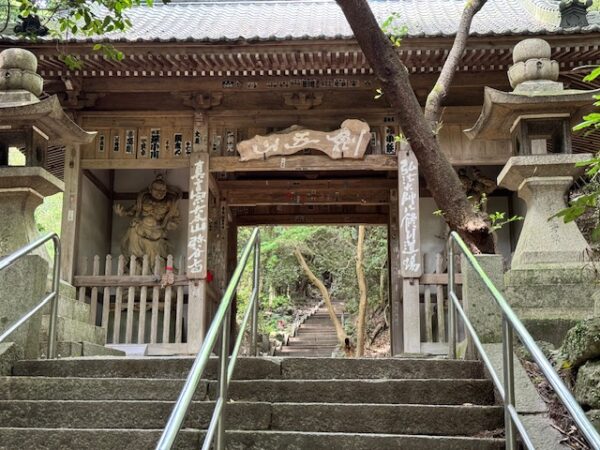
pixel 350 142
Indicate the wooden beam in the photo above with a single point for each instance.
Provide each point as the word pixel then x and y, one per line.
pixel 312 219
pixel 124 281
pixel 438 278
pixel 303 163
pixel 395 288
pixel 98 183
pixel 308 197
pixel 70 212
pixel 134 163
pixel 307 184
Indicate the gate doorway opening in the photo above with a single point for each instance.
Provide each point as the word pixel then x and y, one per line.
pixel 294 317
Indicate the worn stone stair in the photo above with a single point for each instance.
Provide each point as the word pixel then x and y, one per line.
pixel 315 337
pixel 75 335
pixel 277 403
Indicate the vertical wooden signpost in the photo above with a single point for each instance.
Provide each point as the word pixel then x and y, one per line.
pixel 411 267
pixel 198 235
pixel 397 327
pixel 70 211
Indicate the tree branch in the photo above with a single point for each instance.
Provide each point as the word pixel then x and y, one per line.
pixel 442 180
pixel 442 86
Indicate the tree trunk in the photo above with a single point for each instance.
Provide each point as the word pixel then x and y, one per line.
pixel 441 178
pixel 339 330
pixel 362 289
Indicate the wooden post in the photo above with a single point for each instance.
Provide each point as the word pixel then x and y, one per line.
pixel 198 235
pixel 70 212
pixel 411 267
pixel 396 331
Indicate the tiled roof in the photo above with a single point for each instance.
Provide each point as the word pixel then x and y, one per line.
pixel 254 20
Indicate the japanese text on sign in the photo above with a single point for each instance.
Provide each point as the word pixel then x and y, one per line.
pixel 408 183
pixel 198 220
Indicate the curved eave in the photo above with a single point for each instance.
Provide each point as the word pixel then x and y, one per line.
pixel 49 116
pixel 501 110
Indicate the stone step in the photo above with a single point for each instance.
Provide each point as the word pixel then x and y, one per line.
pixel 69 330
pixel 73 309
pixel 110 439
pixel 77 349
pixel 316 345
pixel 431 420
pixel 255 368
pixel 124 414
pixel 434 392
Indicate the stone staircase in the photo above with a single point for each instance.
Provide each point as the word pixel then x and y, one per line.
pixel 316 336
pixel 277 403
pixel 75 335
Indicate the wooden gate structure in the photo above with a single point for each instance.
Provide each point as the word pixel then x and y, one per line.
pixel 186 103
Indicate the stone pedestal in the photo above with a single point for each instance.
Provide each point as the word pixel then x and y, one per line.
pixel 23 284
pixel 22 190
pixel 550 284
pixel 22 287
pixel 480 306
pixel 542 181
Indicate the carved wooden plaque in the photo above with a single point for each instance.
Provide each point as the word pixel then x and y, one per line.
pixel 408 205
pixel 198 217
pixel 350 141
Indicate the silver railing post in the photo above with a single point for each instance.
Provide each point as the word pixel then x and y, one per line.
pixel 256 287
pixel 223 369
pixel 509 383
pixel 54 301
pixel 451 310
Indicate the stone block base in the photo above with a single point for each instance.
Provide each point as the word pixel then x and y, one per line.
pixel 551 301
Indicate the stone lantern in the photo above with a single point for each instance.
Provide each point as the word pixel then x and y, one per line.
pixel 29 124
pixel 547 277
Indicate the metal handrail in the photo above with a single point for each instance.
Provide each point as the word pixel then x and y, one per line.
pixel 227 363
pixel 510 324
pixel 52 297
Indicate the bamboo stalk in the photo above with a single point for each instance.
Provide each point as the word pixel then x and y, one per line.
pixel 94 298
pixel 130 302
pixel 118 302
pixel 143 296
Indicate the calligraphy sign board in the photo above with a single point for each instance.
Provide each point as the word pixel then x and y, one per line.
pixel 408 209
pixel 198 217
pixel 350 141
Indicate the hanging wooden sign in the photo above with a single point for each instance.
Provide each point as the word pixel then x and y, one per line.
pixel 350 141
pixel 408 203
pixel 198 217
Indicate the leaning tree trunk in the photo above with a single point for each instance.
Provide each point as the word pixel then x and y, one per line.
pixel 339 330
pixel 442 181
pixel 362 289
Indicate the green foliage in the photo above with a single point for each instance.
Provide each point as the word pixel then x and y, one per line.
pixel 394 30
pixel 590 192
pixel 330 251
pixel 497 218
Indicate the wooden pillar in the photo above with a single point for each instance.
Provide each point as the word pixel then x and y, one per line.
pixel 198 235
pixel 396 327
pixel 411 267
pixel 70 212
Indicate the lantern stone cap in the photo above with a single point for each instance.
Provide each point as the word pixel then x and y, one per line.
pixel 519 168
pixel 36 178
pixel 501 110
pixel 48 116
